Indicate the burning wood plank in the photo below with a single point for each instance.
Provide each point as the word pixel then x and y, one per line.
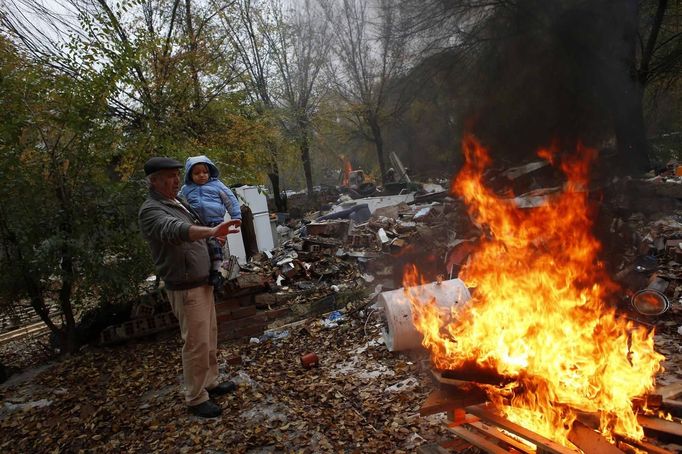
pixel 544 444
pixel 477 440
pixel 590 441
pixel 627 444
pixel 661 425
pixel 498 434
pixel 484 428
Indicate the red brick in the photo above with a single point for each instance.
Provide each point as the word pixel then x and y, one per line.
pixel 226 323
pixel 248 284
pixel 246 300
pixel 225 307
pixel 260 317
pixel 246 332
pixel 242 312
pixel 223 336
pixel 265 299
pixel 235 301
pixel 277 313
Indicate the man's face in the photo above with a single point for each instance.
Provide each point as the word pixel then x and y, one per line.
pixel 166 182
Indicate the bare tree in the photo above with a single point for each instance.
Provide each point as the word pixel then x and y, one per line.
pixel 369 55
pixel 246 33
pixel 300 44
pixel 654 62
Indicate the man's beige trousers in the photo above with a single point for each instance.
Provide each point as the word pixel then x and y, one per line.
pixel 195 310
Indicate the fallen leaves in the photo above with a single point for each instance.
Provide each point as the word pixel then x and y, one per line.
pixel 129 398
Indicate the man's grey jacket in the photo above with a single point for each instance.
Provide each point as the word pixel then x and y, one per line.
pixel 181 263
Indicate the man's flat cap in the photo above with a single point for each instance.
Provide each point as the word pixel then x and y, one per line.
pixel 159 163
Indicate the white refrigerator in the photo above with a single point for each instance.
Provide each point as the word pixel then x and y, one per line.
pixel 258 203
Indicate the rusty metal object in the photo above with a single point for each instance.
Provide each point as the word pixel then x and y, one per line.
pixel 309 360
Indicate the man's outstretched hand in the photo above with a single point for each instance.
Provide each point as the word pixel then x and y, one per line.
pixel 220 231
pixel 225 228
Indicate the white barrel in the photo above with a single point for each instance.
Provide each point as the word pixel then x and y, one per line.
pixel 399 332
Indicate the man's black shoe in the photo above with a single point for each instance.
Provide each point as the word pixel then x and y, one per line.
pixel 222 389
pixel 206 409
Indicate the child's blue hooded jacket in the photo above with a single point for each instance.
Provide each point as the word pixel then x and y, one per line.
pixel 210 200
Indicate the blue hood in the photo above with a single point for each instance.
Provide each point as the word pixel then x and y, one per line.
pixel 192 161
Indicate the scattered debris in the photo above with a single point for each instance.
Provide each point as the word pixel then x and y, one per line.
pixel 308 300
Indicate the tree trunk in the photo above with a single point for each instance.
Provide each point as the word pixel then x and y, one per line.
pixel 633 146
pixel 13 252
pixel 305 157
pixel 279 202
pixel 69 341
pixel 379 144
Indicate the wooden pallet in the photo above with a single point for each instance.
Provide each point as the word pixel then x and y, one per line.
pixel 488 434
pixel 25 331
pixel 670 395
pixel 481 426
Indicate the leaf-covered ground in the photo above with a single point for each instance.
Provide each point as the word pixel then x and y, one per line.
pixel 128 398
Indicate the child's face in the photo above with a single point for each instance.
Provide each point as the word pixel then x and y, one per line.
pixel 200 174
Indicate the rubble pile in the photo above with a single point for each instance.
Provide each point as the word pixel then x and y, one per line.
pixel 301 279
pixel 315 370
pixel 327 262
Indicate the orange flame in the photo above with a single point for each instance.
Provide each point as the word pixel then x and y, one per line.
pixel 347 169
pixel 538 314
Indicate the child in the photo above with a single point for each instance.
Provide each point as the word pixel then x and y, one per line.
pixel 210 198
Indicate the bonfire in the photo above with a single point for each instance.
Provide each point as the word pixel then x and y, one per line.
pixel 540 314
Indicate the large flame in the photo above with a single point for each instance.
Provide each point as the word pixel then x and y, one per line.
pixel 538 314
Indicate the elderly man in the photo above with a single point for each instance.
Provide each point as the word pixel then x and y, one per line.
pixel 181 256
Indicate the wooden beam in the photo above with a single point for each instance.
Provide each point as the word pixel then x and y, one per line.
pixel 487 413
pixel 670 391
pixel 648 447
pixel 590 441
pixel 673 406
pixel 477 440
pixel 496 433
pixel 35 328
pixel 660 425
pixel 440 380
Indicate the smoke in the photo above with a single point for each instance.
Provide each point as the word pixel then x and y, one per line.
pixel 547 72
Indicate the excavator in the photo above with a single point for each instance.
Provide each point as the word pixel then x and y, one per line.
pixel 355 182
pixel 358 184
